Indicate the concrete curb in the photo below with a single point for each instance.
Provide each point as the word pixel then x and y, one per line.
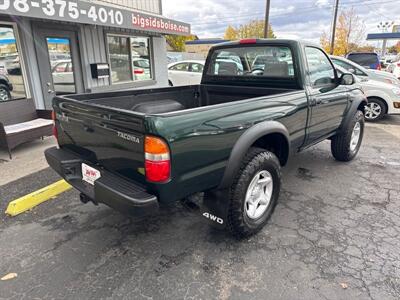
pixel 31 200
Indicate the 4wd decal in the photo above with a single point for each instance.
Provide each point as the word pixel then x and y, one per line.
pixel 213 218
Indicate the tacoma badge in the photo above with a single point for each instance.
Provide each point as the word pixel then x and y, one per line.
pixel 128 137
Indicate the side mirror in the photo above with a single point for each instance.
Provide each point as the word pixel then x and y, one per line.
pixel 347 79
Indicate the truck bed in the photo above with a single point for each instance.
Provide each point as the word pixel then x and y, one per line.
pixel 172 99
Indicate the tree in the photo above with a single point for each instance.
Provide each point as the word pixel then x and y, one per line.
pixel 177 42
pixel 231 33
pixel 252 29
pixel 350 32
pixel 395 48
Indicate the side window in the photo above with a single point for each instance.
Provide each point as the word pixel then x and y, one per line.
pixel 197 68
pixel 180 67
pixel 319 68
pixel 349 67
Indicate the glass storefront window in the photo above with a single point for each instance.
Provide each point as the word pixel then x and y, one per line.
pixel 62 69
pixel 141 58
pixel 129 58
pixel 12 84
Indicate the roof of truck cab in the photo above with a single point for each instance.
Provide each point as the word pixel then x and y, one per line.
pixel 290 42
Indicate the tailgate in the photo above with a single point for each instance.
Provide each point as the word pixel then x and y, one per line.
pixel 105 136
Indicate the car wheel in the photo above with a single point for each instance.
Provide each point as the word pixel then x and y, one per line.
pixel 375 109
pixel 254 193
pixel 345 145
pixel 4 93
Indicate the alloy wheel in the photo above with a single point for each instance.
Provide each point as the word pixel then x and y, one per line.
pixel 372 110
pixel 258 195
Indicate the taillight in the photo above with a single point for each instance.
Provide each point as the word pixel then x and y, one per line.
pixel 157 159
pixel 55 131
pixel 138 71
pixel 398 64
pixel 379 67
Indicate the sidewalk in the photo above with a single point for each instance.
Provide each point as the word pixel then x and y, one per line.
pixel 27 159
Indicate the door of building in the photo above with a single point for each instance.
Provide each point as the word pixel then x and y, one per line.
pixel 59 63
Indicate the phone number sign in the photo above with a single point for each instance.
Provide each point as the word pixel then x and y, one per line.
pixel 90 13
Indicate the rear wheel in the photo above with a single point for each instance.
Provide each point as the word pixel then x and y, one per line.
pixel 375 109
pixel 254 193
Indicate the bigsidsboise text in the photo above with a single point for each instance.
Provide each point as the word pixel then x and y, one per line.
pixel 157 23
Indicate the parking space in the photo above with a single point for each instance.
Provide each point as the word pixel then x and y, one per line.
pixel 334 235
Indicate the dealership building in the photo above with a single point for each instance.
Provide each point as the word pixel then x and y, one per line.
pixel 56 47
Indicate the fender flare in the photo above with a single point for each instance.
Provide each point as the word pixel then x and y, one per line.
pixel 244 143
pixel 352 110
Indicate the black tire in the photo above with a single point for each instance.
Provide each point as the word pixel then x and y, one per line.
pixel 256 160
pixel 380 104
pixel 341 143
pixel 5 94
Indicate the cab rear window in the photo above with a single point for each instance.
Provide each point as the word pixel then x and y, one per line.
pixel 257 61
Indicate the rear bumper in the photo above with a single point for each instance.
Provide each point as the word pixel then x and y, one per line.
pixel 112 190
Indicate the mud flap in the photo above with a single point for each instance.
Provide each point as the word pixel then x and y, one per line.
pixel 215 208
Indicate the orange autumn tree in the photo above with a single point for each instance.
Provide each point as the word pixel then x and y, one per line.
pixel 350 34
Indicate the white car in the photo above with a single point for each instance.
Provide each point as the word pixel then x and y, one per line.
pixel 394 68
pixel 141 68
pixel 362 72
pixel 63 77
pixel 187 72
pixel 383 98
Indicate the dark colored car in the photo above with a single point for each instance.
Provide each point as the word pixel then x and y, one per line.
pixel 6 88
pixel 368 60
pixel 227 137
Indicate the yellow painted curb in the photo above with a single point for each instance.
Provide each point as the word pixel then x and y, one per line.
pixel 29 201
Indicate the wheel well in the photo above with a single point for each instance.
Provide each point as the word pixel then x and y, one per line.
pixel 2 81
pixel 277 144
pixel 381 99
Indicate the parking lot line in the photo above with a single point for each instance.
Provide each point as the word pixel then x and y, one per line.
pixel 31 200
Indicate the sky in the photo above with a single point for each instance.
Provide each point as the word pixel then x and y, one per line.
pixel 305 19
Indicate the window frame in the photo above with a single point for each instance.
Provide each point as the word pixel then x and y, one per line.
pixel 308 68
pixel 24 73
pixel 151 58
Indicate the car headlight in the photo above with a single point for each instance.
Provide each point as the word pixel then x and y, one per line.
pixel 396 91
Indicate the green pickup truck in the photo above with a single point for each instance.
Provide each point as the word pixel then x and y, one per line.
pixel 227 138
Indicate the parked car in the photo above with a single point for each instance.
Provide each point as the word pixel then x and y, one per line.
pixel 63 77
pixel 394 68
pixel 227 137
pixel 362 72
pixel 6 88
pixel 141 68
pixel 13 65
pixel 383 98
pixel 187 72
pixel 369 60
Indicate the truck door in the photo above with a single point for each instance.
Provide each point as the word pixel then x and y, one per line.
pixel 327 99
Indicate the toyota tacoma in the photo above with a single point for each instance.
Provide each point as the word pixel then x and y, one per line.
pixel 226 138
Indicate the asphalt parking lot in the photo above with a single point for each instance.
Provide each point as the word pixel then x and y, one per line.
pixel 334 235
